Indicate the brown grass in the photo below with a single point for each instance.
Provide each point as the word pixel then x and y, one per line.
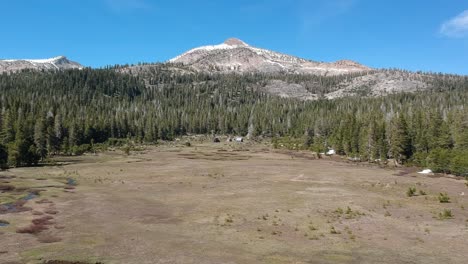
pixel 51 211
pixel 31 229
pixel 48 238
pixel 45 220
pixel 38 225
pixel 5 187
pixel 69 262
pixel 44 201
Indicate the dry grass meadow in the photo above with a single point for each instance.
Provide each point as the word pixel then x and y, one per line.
pixel 228 203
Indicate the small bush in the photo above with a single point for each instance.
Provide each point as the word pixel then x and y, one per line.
pixel 446 214
pixel 411 192
pixel 31 229
pixel 334 231
pixel 51 211
pixel 444 198
pixel 339 211
pixel 5 187
pixel 421 192
pixel 45 220
pixel 229 219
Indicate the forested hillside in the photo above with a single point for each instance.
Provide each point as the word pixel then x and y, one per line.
pixel 67 112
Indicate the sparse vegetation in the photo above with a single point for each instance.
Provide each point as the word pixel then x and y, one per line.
pixel 446 214
pixel 314 237
pixel 235 207
pixel 411 192
pixel 48 238
pixel 38 225
pixel 334 231
pixel 229 219
pixel 444 198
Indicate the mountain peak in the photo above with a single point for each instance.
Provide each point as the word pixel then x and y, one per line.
pixel 235 42
pixel 55 63
pixel 234 55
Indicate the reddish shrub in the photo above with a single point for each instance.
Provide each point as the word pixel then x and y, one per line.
pixel 31 229
pixel 51 211
pixel 4 187
pixel 45 220
pixel 38 225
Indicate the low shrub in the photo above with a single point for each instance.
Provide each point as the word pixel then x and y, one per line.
pixel 444 198
pixel 446 214
pixel 411 192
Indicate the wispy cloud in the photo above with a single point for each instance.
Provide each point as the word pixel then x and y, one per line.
pixel 120 6
pixel 323 11
pixel 456 27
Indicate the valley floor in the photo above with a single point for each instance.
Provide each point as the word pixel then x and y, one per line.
pixel 228 203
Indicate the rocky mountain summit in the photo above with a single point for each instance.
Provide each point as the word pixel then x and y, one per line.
pixel 235 55
pixel 57 63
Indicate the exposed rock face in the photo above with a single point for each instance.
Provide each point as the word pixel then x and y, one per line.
pixel 234 55
pixel 57 63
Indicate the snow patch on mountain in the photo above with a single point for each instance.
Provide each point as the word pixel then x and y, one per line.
pixel 56 63
pixel 235 55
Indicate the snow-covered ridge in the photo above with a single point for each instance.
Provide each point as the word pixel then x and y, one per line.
pixel 227 45
pixel 56 63
pixel 204 48
pixel 233 43
pixel 236 55
pixel 51 60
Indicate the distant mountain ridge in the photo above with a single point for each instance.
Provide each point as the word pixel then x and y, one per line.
pixel 56 63
pixel 280 74
pixel 235 55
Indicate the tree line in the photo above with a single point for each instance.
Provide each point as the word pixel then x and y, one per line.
pixel 68 112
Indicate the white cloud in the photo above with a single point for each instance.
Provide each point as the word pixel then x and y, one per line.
pixel 457 26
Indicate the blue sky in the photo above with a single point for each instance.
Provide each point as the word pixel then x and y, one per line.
pixel 429 35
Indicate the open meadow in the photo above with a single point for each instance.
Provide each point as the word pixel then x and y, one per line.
pixel 228 203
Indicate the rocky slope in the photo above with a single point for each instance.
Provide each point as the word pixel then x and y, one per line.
pixel 292 77
pixel 235 55
pixel 57 63
pixel 371 84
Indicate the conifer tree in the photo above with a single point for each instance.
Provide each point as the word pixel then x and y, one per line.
pixel 400 141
